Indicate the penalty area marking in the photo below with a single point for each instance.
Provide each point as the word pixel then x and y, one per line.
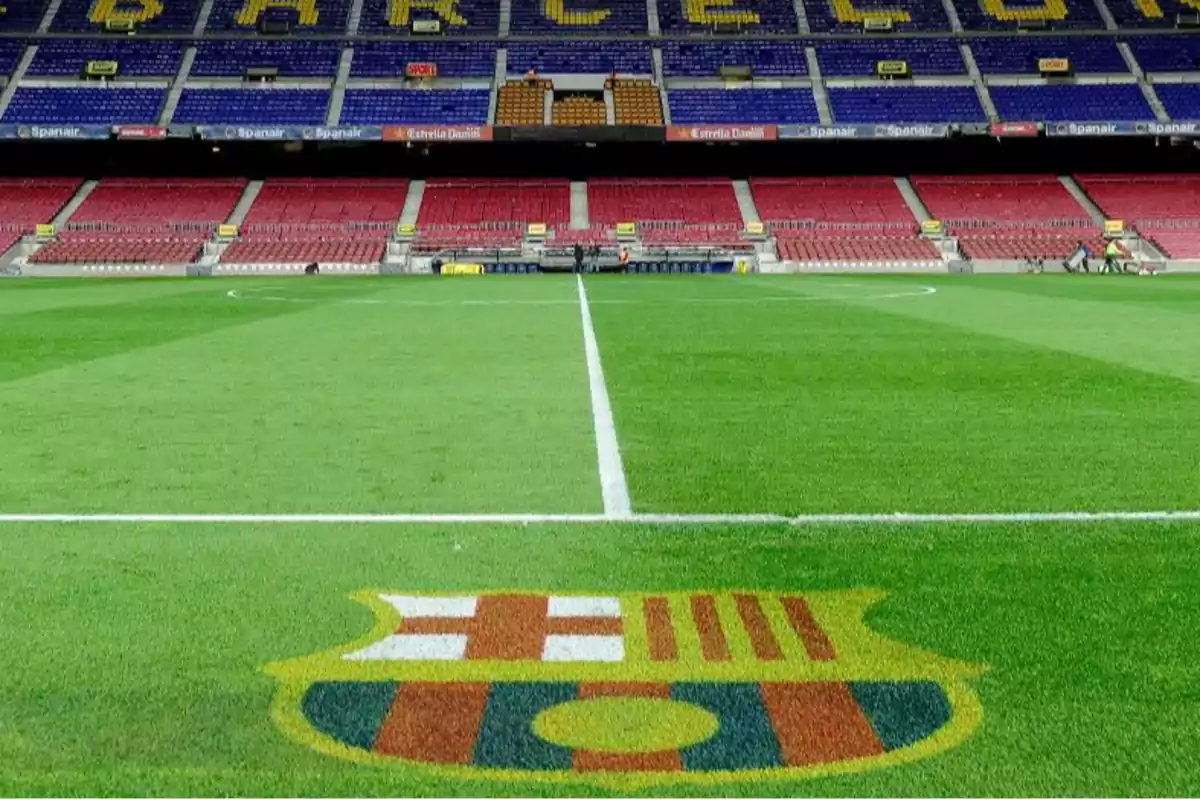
pixel 900 518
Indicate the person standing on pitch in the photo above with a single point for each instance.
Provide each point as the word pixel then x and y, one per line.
pixel 1111 254
pixel 578 258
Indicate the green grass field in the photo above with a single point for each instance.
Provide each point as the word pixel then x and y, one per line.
pixel 135 656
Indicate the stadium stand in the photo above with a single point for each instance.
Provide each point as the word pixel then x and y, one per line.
pixel 1007 217
pixel 22 16
pixel 454 59
pixel 704 59
pixel 1161 207
pixel 474 17
pixel 137 57
pixel 579 109
pixel 906 104
pixel 10 53
pixel 1149 13
pixel 1182 100
pixel 978 15
pixel 24 204
pixel 768 106
pixel 863 201
pixel 266 106
pixel 1018 55
pixel 415 106
pixel 293 57
pixel 88 15
pixel 84 106
pixel 1166 53
pixel 840 219
pixel 483 213
pixel 669 212
pixel 924 56
pixel 636 102
pixel 143 222
pixel 578 16
pixel 1071 102
pixel 846 16
pixel 326 16
pixel 522 102
pixel 549 57
pixel 699 16
pixel 328 221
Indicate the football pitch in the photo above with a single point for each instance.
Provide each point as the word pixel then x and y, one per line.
pixel 652 535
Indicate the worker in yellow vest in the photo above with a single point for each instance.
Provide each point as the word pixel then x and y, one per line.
pixel 1112 254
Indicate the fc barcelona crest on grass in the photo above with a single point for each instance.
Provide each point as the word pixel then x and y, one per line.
pixel 628 690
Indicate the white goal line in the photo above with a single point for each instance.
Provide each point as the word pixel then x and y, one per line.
pixel 899 518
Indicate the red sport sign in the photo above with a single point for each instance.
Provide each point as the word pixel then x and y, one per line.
pixel 421 69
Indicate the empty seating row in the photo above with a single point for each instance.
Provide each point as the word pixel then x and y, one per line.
pixel 454 59
pixel 636 102
pixel 998 198
pixel 408 106
pixel 906 104
pixel 568 56
pixel 611 201
pixel 85 106
pixel 304 252
pixel 701 106
pixel 1032 243
pixel 845 200
pixel 522 102
pixel 1162 207
pixel 266 106
pixel 478 202
pixel 843 248
pixel 119 251
pixel 1071 103
pixel 579 109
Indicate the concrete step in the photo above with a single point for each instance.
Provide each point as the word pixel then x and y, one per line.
pixel 579 206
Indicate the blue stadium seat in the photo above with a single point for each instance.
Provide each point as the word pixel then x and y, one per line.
pixel 982 15
pixel 475 17
pixel 293 57
pixel 1182 100
pixel 453 59
pixel 85 106
pixel 581 16
pixel 1019 55
pixel 924 56
pixel 415 107
pixel 1166 53
pixel 765 59
pixel 10 53
pixel 137 57
pixel 907 104
pixel 766 16
pixel 732 106
pixel 1071 103
pixel 167 15
pixel 271 106
pixel 1149 13
pixel 846 16
pixel 552 56
pixel 327 16
pixel 23 15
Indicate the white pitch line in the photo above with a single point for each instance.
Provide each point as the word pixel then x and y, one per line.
pixel 613 486
pixel 983 518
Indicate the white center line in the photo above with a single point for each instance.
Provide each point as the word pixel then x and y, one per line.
pixel 608 453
